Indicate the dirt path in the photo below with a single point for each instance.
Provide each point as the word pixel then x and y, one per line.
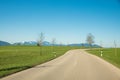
pixel 74 65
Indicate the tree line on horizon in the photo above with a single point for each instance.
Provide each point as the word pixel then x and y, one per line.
pixel 89 40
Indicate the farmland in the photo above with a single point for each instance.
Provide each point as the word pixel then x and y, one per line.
pixel 17 58
pixel 112 55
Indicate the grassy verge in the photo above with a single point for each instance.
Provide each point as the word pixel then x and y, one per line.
pixel 111 55
pixel 17 58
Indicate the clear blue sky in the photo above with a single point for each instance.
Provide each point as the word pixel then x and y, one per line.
pixel 69 21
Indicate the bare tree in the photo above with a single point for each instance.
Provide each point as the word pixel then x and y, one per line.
pixel 40 42
pixel 68 44
pixel 41 39
pixel 82 45
pixel 53 42
pixel 90 39
pixel 61 44
pixel 115 45
pixel 100 48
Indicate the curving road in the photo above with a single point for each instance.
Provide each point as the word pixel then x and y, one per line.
pixel 74 65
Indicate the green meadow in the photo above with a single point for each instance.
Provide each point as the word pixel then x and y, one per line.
pixel 111 55
pixel 17 58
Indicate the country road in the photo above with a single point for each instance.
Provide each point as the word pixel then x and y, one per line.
pixel 74 65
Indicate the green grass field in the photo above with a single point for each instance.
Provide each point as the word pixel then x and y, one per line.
pixel 112 55
pixel 17 58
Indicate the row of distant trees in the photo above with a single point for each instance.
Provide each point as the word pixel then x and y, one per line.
pixel 41 40
pixel 89 40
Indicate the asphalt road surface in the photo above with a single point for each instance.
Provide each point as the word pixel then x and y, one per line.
pixel 74 65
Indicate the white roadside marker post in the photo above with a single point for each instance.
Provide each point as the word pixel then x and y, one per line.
pixel 54 54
